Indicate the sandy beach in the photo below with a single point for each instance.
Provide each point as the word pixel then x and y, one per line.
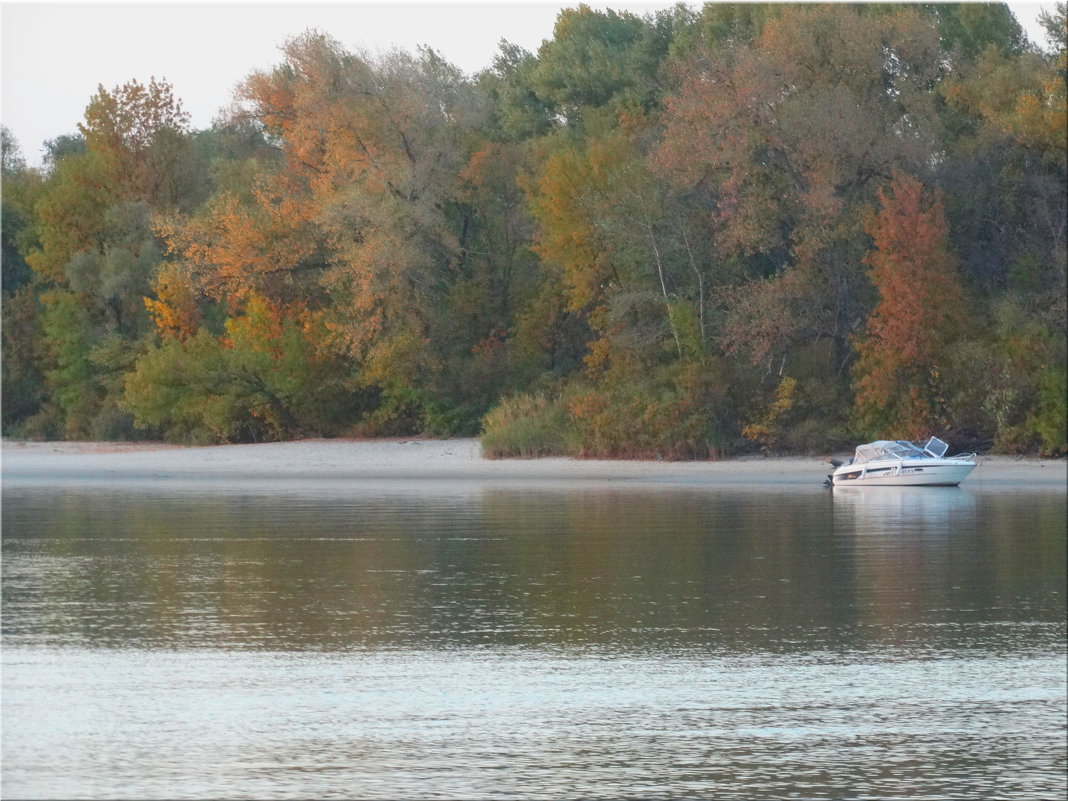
pixel 421 460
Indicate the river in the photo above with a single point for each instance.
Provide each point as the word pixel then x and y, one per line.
pixel 410 640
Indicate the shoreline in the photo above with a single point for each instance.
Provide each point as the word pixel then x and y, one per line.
pixel 323 461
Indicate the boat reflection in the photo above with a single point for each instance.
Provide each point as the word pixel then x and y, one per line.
pixel 887 510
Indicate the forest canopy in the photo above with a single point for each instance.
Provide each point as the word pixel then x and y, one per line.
pixel 698 232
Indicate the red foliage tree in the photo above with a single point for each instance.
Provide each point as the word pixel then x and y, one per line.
pixel 898 375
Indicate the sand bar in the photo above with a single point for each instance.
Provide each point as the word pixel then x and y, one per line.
pixel 428 460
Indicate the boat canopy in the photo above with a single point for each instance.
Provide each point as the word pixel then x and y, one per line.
pixel 887 449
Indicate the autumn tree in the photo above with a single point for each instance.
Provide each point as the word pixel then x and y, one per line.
pixel 93 250
pixel 255 241
pixel 723 25
pixel 649 238
pixel 616 244
pixel 142 134
pixel 1005 168
pixel 1003 177
pixel 783 124
pixel 899 374
pixel 366 220
pixel 794 132
pixel 598 71
pixel 379 146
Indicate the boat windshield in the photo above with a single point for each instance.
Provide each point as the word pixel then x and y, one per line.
pixel 886 449
pixel 936 447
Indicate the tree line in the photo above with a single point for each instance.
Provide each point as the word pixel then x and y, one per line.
pixel 699 232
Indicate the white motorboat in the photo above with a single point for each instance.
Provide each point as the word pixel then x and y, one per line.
pixel 896 463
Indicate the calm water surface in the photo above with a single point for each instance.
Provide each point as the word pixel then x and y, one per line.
pixel 428 641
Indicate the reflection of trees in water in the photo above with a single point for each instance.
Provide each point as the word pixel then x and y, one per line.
pixel 616 569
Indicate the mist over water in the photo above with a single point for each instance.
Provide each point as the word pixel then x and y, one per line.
pixel 428 641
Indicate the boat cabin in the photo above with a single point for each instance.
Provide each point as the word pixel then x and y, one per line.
pixel 899 449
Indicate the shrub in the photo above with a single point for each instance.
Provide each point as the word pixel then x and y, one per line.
pixel 526 427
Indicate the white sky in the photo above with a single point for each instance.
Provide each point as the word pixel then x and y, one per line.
pixel 53 56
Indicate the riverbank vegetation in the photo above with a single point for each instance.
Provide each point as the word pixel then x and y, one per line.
pixel 703 231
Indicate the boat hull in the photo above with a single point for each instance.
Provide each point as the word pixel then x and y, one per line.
pixel 921 473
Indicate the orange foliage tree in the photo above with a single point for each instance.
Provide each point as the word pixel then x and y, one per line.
pixel 358 214
pixel 898 375
pixel 236 246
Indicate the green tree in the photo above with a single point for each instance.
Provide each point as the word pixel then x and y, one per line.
pixel 601 62
pixel 968 29
pixel 18 184
pixel 266 379
pixel 70 338
pixel 519 113
pixel 722 25
pixel 22 360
